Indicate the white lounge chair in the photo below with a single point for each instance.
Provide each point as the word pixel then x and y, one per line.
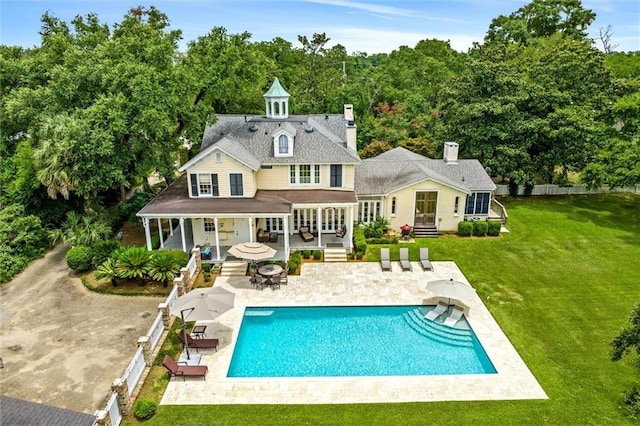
pixel 454 316
pixel 385 260
pixel 424 259
pixel 440 309
pixel 404 259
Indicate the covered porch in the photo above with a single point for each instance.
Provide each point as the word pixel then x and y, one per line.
pixel 323 240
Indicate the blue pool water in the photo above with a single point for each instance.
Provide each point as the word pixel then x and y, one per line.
pixel 351 341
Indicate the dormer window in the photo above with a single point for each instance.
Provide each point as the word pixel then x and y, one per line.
pixel 283 142
pixel 283 145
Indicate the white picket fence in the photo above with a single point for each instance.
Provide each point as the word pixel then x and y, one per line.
pixel 137 365
pixel 564 190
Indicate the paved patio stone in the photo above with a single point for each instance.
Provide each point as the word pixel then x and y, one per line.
pixel 354 284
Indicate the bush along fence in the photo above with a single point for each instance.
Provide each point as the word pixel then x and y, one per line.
pixel 125 388
pixel 561 190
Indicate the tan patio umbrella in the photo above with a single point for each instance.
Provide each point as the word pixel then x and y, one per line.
pixel 202 304
pixel 451 289
pixel 252 251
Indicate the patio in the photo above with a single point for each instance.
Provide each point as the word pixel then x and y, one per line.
pixel 358 284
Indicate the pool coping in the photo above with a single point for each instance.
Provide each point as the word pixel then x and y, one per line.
pixel 358 284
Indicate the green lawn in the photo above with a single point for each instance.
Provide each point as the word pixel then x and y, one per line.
pixel 561 285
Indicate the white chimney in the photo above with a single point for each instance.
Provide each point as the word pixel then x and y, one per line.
pixel 351 127
pixel 450 152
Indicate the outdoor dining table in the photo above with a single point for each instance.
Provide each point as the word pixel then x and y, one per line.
pixel 269 271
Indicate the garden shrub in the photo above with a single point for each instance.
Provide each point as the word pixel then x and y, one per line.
pixel 465 228
pixel 480 228
pixel 359 242
pixel 377 228
pixel 207 277
pixel 206 267
pixel 102 250
pixel 317 254
pixel 294 262
pixel 494 228
pixel 144 409
pixel 180 257
pixel 79 258
pixel 10 264
pixel 306 254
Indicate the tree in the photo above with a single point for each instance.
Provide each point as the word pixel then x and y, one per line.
pixel 87 229
pixel 541 18
pixel 134 263
pixel 109 270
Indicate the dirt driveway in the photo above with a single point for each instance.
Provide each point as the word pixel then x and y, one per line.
pixel 61 344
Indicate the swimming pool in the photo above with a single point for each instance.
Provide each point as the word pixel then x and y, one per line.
pixel 352 341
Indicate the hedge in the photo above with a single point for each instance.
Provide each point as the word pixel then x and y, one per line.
pixel 480 228
pixel 465 228
pixel 79 258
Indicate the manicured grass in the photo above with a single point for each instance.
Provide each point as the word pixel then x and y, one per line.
pixel 561 285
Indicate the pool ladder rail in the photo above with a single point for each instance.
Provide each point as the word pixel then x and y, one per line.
pixel 437 331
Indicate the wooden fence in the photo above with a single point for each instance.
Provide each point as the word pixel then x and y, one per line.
pixel 565 190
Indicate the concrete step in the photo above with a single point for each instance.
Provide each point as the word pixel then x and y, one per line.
pixel 425 232
pixel 233 269
pixel 335 255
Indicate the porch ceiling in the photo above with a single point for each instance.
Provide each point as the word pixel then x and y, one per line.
pixel 175 201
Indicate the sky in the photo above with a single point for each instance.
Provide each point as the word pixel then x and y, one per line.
pixel 371 26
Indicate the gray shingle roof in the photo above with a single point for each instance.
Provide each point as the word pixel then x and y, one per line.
pixel 17 412
pixel 399 168
pixel 249 139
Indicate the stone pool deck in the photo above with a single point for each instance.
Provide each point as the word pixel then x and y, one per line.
pixel 353 284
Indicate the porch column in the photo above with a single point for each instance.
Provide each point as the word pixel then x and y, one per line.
pixel 215 225
pixel 171 227
pixel 147 232
pixel 285 224
pixel 351 225
pixel 184 240
pixel 250 220
pixel 160 232
pixel 319 226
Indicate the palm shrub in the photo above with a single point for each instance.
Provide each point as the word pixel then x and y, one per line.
pixel 164 267
pixel 102 250
pixel 134 263
pixel 80 230
pixel 108 269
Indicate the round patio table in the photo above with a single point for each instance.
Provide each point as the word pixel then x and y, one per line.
pixel 270 270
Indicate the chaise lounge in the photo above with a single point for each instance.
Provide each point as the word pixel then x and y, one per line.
pixel 198 343
pixel 404 259
pixel 385 261
pixel 184 370
pixel 440 309
pixel 455 315
pixel 424 259
pixel 305 234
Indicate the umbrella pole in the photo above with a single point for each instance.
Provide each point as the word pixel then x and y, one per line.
pixel 184 333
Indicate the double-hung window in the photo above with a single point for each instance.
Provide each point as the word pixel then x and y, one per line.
pixel 304 174
pixel 204 184
pixel 335 176
pixel 235 184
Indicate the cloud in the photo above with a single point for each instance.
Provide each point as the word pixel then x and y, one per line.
pixel 381 10
pixel 383 41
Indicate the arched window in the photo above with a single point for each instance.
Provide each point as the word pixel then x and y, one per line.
pixel 283 144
